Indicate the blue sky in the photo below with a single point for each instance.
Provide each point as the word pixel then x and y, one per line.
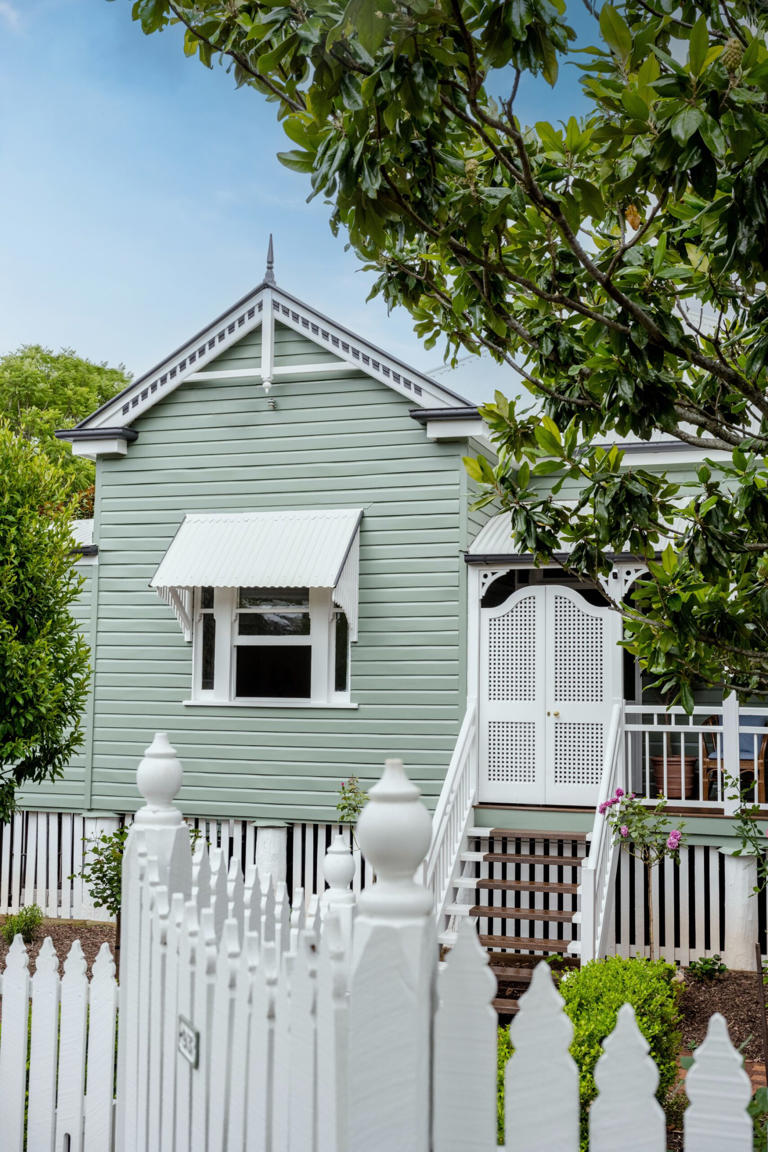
pixel 137 191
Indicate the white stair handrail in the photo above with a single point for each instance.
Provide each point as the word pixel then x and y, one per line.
pixel 599 868
pixel 453 813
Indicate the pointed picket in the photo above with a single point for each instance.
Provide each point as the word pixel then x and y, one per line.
pixel 282 917
pixel 186 1073
pixel 43 1050
pixel 102 1022
pixel 268 924
pixel 74 1016
pixel 174 977
pixel 235 894
pixel 302 1085
pixel 719 1091
pixel 157 989
pixel 298 917
pixel 541 1106
pixel 281 1101
pixel 626 1113
pixel 464 1060
pixel 261 1050
pixel 222 1027
pixel 218 893
pixel 252 899
pixel 205 981
pixel 13 1046
pixel 201 875
pixel 240 1072
pixel 332 987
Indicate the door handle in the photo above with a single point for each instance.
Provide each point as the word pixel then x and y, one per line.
pixel 555 713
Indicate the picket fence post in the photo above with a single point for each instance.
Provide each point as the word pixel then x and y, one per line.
pixel 392 978
pixel 158 829
pixel 626 1114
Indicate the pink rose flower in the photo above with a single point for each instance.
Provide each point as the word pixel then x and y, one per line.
pixel 624 830
pixel 619 792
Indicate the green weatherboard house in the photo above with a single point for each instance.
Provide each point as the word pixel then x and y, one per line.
pixel 284 572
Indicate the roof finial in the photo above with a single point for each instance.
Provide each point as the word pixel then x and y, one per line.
pixel 269 275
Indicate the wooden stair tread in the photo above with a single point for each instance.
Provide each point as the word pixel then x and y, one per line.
pixel 511 975
pixel 489 912
pixel 522 943
pixel 528 858
pixel 511 961
pixel 530 834
pixel 506 1007
pixel 521 885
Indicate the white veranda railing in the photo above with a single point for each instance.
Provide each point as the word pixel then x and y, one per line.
pixel 599 868
pixel 453 816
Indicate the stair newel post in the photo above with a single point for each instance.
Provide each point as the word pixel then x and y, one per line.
pixel 158 832
pixel 394 960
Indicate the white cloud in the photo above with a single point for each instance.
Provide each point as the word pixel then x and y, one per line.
pixel 10 14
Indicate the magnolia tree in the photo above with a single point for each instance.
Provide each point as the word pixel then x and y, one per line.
pixel 617 262
pixel 44 662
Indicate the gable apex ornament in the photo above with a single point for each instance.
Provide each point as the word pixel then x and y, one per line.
pixel 269 275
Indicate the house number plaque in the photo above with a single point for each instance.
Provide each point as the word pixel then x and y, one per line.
pixel 188 1042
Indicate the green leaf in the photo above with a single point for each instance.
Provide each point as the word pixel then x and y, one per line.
pixel 685 123
pixel 615 31
pixel 590 197
pixel 297 161
pixel 698 46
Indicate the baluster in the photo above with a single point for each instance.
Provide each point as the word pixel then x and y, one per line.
pixel 541 1106
pixel 719 1091
pixel 626 1113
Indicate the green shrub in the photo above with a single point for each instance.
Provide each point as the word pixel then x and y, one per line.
pixel 503 1052
pixel 593 997
pixel 25 923
pixel 708 968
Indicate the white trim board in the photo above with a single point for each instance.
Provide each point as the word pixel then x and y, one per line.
pixel 188 361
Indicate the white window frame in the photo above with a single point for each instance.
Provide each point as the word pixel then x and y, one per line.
pixel 321 640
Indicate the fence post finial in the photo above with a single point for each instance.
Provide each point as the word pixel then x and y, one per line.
pixel 394 833
pixel 394 959
pixel 159 777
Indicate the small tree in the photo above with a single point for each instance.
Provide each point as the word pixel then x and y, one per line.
pixel 645 833
pixel 44 662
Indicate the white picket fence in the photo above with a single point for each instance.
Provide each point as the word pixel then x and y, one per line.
pixel 42 853
pixel 247 1024
pixel 46 1102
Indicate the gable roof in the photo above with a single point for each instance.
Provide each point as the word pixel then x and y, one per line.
pixel 249 313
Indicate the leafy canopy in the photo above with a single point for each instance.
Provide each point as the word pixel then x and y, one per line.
pixel 42 391
pixel 618 263
pixel 44 662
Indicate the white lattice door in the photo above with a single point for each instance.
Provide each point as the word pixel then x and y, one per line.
pixel 550 672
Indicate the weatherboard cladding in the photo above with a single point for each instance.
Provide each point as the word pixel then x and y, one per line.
pixel 340 442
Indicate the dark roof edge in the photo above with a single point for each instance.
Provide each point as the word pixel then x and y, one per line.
pixel 466 412
pixel 484 558
pixel 78 433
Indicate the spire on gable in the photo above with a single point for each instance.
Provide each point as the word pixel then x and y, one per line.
pixel 269 275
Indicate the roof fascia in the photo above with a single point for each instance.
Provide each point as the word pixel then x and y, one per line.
pixel 373 361
pixel 201 349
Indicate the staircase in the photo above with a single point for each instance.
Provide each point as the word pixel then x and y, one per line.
pixel 520 886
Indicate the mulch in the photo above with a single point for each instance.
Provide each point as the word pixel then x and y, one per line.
pixel 63 933
pixel 735 995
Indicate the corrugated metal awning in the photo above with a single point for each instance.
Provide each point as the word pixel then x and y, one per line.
pixel 295 549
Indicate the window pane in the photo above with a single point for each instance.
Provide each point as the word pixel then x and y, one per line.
pixel 273 624
pixel 270 671
pixel 341 653
pixel 209 649
pixel 206 597
pixel 273 598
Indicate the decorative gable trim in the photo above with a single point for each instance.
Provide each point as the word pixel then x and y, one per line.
pixel 264 303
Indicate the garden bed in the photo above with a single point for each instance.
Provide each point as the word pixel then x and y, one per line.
pixel 90 933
